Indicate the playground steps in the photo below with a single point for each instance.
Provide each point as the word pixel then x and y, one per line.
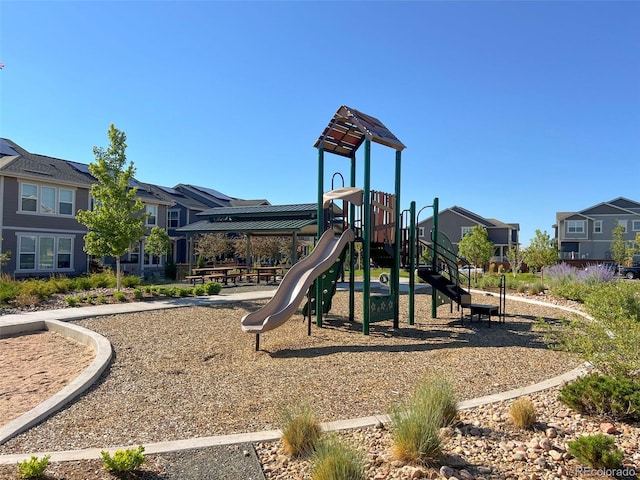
pixel 445 286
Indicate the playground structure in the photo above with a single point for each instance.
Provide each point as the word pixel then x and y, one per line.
pixel 388 238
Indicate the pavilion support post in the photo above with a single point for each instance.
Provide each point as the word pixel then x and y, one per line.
pixel 257 342
pixel 397 239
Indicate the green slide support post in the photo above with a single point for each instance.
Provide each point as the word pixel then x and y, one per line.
pixel 397 240
pixel 320 229
pixel 352 248
pixel 366 237
pixel 412 262
pixel 434 260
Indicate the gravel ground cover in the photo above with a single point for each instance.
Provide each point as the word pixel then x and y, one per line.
pixel 193 372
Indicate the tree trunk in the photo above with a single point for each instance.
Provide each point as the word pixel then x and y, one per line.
pixel 118 279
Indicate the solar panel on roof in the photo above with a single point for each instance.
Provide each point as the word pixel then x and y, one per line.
pixel 169 190
pixel 81 167
pixel 215 193
pixel 6 149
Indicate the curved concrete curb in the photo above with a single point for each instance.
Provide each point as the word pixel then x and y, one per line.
pixel 271 435
pixel 84 380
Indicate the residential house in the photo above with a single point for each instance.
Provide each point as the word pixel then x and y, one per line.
pixel 455 222
pixel 188 202
pixel 587 234
pixel 40 198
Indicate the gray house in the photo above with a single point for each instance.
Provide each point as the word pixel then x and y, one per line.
pixel 587 234
pixel 40 198
pixel 455 222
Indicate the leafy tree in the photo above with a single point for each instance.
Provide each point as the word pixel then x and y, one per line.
pixel 4 256
pixel 272 248
pixel 476 246
pixel 212 245
pixel 158 242
pixel 515 256
pixel 621 250
pixel 117 218
pixel 542 252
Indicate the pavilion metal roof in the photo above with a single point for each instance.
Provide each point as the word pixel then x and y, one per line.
pixel 271 227
pixel 349 128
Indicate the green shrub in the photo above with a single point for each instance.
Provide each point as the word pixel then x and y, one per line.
pixel 72 301
pixel 301 430
pixel 576 291
pixel 333 461
pixel 185 291
pixel 416 423
pixel 104 279
pixel 120 296
pixel 61 284
pixel 597 394
pixel 34 467
pixel 123 460
pixel 596 451
pixel 40 288
pixel 81 283
pixel 102 299
pixel 131 281
pixel 536 287
pixel 213 288
pixel 523 413
pixel 8 290
pixel 138 294
pixel 199 290
pixel 89 299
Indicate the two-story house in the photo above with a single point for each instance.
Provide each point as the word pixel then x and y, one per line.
pixel 40 198
pixel 587 234
pixel 455 222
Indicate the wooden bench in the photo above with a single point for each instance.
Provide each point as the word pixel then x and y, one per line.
pixel 225 277
pixel 481 310
pixel 193 279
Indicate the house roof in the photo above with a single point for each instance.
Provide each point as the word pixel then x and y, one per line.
pixel 262 211
pixel 349 128
pixel 41 167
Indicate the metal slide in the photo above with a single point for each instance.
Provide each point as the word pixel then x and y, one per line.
pixel 296 282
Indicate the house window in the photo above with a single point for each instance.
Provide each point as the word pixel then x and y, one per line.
pixel 64 252
pixel 29 202
pixel 623 224
pixel 44 252
pixel 134 252
pixel 173 219
pixel 65 202
pixel 575 226
pixel 151 260
pixel 597 226
pixel 27 254
pixel 635 225
pixel 421 232
pixel 45 259
pixel 152 212
pixel 465 231
pixel 47 200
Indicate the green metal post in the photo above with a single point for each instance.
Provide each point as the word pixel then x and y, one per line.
pixel 396 251
pixel 366 238
pixel 434 260
pixel 320 231
pixel 352 248
pixel 412 262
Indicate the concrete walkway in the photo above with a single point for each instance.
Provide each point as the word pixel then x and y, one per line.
pixel 56 320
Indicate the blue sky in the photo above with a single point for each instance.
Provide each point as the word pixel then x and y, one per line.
pixel 513 110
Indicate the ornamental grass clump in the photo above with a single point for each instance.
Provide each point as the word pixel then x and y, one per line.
pixel 523 413
pixel 416 423
pixel 301 430
pixel 596 451
pixel 333 461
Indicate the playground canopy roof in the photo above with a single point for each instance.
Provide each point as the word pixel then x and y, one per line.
pixel 349 128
